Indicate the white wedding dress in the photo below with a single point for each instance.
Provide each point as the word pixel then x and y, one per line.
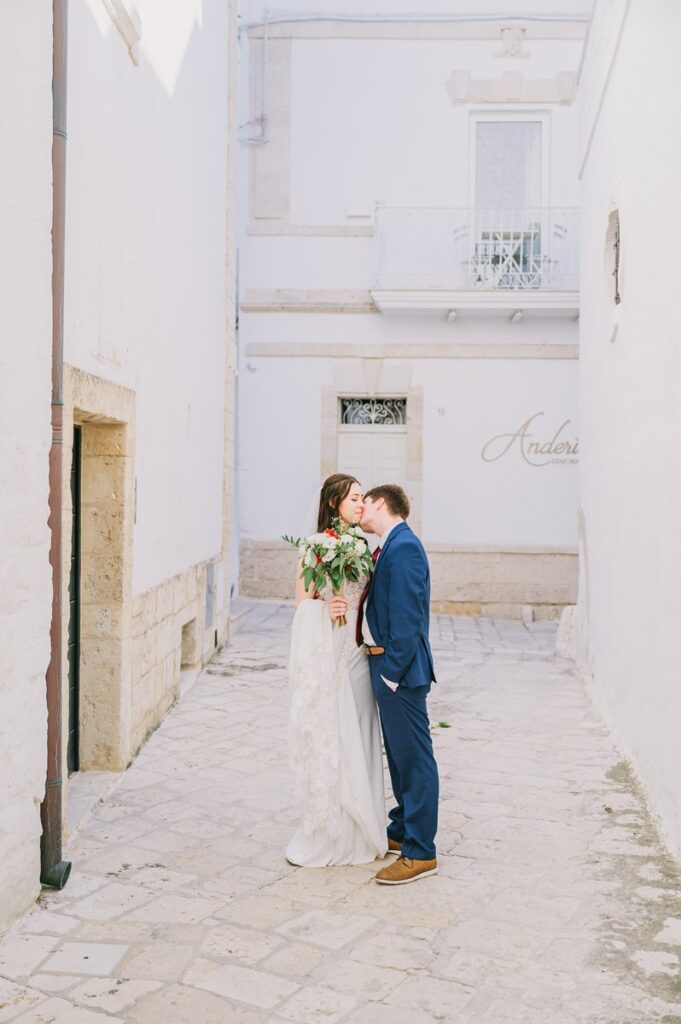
pixel 334 740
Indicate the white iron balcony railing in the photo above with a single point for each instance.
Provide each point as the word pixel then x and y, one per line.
pixel 477 249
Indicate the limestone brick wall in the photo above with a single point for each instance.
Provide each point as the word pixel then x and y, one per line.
pixel 502 583
pixel 464 582
pixel 169 633
pixel 267 569
pixel 25 359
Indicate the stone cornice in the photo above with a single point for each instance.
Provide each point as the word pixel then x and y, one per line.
pixel 294 300
pixel 512 303
pixel 422 30
pixel 400 350
pixel 412 301
pixel 511 87
pixel 277 228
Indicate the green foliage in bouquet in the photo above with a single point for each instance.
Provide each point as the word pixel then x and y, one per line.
pixel 334 556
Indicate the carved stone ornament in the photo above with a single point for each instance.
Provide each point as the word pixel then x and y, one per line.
pixel 512 43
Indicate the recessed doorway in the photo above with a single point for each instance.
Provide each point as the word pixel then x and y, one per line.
pixel 73 638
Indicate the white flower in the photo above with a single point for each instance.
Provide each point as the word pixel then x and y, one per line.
pixel 310 558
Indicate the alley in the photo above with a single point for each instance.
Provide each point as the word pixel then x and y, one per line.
pixel 555 903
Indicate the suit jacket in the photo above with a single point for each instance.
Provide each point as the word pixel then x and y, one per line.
pixel 398 609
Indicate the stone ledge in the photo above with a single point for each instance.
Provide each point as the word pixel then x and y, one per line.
pixel 283 300
pixel 274 229
pixel 483 28
pixel 406 350
pixel 539 612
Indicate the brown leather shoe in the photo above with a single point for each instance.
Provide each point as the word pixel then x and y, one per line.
pixel 406 869
pixel 394 848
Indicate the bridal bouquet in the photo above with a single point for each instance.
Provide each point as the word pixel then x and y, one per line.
pixel 334 556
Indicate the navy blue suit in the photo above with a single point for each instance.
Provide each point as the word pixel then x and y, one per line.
pixel 397 612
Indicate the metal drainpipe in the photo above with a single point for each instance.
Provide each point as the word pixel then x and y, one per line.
pixel 53 870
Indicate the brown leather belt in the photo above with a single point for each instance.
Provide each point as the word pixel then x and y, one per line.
pixel 374 650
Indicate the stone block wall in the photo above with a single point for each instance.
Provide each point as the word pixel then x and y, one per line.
pixel 504 584
pixel 463 581
pixel 105 413
pixel 168 634
pixel 267 569
pixel 132 649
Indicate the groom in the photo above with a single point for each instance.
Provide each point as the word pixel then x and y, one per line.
pixel 392 625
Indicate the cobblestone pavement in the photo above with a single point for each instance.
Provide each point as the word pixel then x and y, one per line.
pixel 554 904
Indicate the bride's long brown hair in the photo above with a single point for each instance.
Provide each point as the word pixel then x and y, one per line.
pixel 335 489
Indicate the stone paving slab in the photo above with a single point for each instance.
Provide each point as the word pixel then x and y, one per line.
pixel 555 902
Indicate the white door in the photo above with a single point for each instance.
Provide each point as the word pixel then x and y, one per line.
pixel 375 456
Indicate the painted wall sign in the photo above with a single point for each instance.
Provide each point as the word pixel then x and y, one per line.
pixel 534 450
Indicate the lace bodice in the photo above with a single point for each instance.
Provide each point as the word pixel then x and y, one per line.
pixel 352 592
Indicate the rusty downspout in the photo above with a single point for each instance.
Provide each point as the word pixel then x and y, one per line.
pixel 53 870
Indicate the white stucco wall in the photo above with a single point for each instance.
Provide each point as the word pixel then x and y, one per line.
pixel 370 120
pixel 25 360
pixel 146 257
pixel 374 123
pixel 631 393
pixel 467 402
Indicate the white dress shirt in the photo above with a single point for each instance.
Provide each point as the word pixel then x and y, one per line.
pixel 366 632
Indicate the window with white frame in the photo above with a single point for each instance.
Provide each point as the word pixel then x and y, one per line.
pixel 508 163
pixel 509 186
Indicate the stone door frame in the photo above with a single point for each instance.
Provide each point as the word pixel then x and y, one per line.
pixel 330 424
pixel 106 414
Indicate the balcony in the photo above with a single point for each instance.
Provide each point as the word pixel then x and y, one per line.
pixel 483 262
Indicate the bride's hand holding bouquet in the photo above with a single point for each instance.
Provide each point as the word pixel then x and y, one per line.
pixel 334 556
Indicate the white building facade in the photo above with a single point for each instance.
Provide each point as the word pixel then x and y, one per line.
pixel 409 287
pixel 148 351
pixel 630 396
pixel 148 363
pixel 26 303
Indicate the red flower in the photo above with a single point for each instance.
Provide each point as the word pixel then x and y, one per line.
pixel 331 533
pixel 319 558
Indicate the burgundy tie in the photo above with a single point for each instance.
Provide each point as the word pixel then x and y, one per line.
pixel 362 600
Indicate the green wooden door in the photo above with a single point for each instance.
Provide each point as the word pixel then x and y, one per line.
pixel 73 650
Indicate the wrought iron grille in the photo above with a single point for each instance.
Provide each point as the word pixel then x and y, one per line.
pixel 373 412
pixel 477 249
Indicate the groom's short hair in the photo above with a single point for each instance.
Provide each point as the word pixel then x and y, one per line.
pixel 394 497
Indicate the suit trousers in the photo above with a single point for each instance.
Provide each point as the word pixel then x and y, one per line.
pixel 413 771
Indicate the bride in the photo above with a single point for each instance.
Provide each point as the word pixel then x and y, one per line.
pixel 334 734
